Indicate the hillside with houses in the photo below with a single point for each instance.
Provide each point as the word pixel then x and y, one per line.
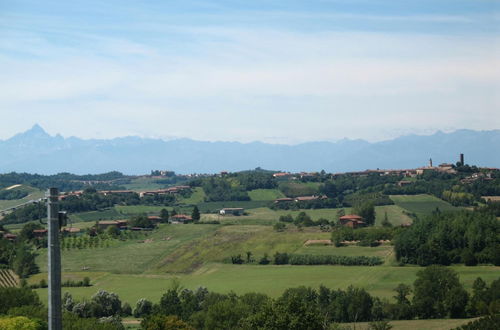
pixel 136 236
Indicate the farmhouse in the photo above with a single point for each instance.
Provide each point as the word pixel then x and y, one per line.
pixel 403 183
pixel 352 220
pixel 154 218
pixel 306 198
pixel 231 210
pixel 282 175
pixel 71 230
pixel 9 237
pixel 116 192
pixel 491 198
pixel 110 223
pixel 171 190
pixel 38 233
pixel 283 200
pixel 181 218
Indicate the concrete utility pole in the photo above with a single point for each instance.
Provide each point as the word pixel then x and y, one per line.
pixel 55 312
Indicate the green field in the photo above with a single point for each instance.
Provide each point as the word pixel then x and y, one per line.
pixel 294 189
pixel 272 280
pixel 264 215
pixel 197 197
pixel 422 205
pixel 108 214
pixel 130 256
pixel 265 194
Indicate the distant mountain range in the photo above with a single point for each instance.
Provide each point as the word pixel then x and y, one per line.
pixel 35 151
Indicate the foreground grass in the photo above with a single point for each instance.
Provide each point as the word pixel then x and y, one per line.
pixel 272 280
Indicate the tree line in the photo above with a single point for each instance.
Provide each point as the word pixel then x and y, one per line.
pixel 446 238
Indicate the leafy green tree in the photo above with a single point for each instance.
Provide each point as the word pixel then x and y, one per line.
pixel 107 304
pixel 143 307
pixel 249 257
pixel 366 211
pixel 435 290
pixel 24 261
pixel 279 226
pixel 126 309
pixel 195 214
pixel 164 322
pixel 164 215
pixel 17 297
pixel 264 260
pixel 113 231
pixel 19 322
pixel 170 303
pixel 225 314
pixel 385 222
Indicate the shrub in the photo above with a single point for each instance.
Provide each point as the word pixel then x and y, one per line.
pixel 143 308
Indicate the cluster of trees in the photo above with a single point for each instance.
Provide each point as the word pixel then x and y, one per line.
pixel 310 259
pixel 223 189
pixel 234 186
pixel 283 258
pixel 13 194
pixel 365 236
pixel 18 256
pixel 25 214
pixel 458 197
pixel 445 238
pixel 491 207
pixel 303 219
pixel 21 308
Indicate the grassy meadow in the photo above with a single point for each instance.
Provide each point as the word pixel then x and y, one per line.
pixel 265 194
pixel 270 279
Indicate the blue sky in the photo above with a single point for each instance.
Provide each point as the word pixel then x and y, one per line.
pixel 274 71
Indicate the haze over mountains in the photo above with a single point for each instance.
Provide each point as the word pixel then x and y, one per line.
pixel 35 151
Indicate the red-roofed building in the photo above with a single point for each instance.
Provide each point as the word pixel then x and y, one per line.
pixel 154 218
pixel 181 218
pixel 283 200
pixel 352 220
pixel 9 236
pixel 40 233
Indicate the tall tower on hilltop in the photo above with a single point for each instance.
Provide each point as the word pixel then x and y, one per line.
pixel 462 159
pixel 430 162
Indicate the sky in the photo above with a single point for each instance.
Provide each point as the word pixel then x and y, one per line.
pixel 284 71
